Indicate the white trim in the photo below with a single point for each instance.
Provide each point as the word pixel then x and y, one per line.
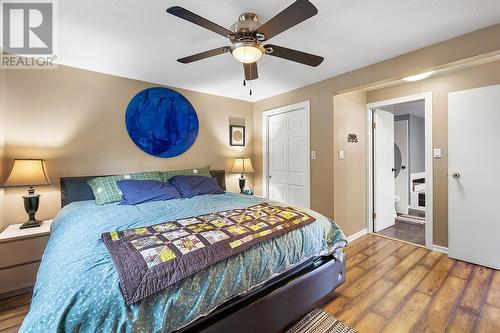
pixel 439 248
pixel 265 123
pixel 428 160
pixel 357 235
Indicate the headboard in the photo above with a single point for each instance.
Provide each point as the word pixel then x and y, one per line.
pixel 77 189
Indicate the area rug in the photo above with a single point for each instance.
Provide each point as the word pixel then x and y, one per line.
pixel 319 321
pixel 403 218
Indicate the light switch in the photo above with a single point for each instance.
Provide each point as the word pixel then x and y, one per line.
pixel 313 154
pixel 437 153
pixel 341 154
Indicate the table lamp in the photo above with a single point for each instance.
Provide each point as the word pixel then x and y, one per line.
pixel 29 172
pixel 242 165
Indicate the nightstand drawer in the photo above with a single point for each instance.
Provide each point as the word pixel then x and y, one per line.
pixel 20 251
pixel 18 277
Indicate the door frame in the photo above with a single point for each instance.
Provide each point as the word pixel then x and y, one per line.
pixel 265 144
pixel 429 193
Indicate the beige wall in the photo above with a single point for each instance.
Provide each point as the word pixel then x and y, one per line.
pixel 350 173
pixel 440 86
pixel 75 120
pixel 477 44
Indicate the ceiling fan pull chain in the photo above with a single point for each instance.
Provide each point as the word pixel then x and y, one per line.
pixel 250 81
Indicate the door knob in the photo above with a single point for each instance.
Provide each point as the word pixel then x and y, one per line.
pixel 455 174
pixel 403 167
pixel 393 169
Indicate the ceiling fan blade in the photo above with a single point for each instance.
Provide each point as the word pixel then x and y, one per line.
pixel 251 72
pixel 203 55
pixel 294 14
pixel 198 20
pixel 293 55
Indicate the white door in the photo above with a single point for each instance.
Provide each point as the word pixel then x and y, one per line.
pixel 277 157
pixel 473 185
pixel 402 179
pixel 384 175
pixel 288 142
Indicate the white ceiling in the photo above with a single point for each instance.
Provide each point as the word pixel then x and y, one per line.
pixel 137 39
pixel 416 108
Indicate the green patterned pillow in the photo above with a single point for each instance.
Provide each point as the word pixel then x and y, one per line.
pixel 106 191
pixel 166 175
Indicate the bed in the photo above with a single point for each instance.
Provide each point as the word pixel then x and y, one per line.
pixel 264 288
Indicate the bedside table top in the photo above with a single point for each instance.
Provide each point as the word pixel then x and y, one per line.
pixel 13 231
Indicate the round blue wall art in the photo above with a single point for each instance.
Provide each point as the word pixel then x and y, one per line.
pixel 161 122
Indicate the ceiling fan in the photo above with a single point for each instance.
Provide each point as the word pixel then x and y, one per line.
pixel 248 37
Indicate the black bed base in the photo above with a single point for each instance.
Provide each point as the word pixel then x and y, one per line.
pixel 278 303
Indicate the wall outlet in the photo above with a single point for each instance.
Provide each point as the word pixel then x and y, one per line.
pixel 313 154
pixel 341 154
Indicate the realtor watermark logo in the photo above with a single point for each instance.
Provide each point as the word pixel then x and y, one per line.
pixel 28 34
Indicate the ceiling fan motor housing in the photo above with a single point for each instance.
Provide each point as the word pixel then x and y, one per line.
pixel 244 29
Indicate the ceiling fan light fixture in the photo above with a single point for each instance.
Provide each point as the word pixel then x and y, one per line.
pixel 247 53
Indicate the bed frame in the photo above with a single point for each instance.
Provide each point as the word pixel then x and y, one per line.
pixel 273 306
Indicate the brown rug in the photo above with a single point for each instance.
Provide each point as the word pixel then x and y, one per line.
pixel 319 321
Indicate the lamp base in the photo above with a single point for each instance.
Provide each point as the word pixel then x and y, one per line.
pixel 31 203
pixel 31 224
pixel 242 180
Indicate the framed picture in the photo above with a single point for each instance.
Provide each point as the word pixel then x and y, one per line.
pixel 236 135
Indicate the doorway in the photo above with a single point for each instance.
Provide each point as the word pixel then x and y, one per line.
pixel 286 147
pixel 400 169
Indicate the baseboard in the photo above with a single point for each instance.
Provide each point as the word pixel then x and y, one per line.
pixel 441 249
pixel 357 235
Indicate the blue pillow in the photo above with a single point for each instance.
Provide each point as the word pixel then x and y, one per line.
pixel 190 186
pixel 140 191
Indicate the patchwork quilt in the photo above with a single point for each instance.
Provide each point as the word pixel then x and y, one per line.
pixel 149 259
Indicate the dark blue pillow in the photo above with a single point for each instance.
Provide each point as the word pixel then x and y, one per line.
pixel 139 191
pixel 190 186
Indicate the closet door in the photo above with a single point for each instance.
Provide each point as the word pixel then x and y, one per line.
pixel 288 160
pixel 473 184
pixel 277 157
pixel 297 135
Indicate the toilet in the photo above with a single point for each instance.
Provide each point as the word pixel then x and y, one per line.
pixel 397 199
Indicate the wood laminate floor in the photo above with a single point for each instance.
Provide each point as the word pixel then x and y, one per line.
pixel 396 287
pixel 390 286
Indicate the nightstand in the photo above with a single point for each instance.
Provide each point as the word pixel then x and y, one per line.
pixel 20 254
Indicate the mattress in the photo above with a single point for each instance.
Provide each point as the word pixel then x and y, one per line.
pixel 77 287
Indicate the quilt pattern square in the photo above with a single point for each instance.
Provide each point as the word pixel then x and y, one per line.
pixel 221 222
pixel 255 225
pixel 173 235
pixel 188 244
pixel 165 227
pixel 144 242
pixel 237 230
pixel 214 236
pixel 199 227
pixel 186 222
pixel 242 218
pixel 272 219
pixel 156 255
pixel 137 233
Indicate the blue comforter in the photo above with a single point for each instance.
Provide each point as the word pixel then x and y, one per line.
pixel 77 287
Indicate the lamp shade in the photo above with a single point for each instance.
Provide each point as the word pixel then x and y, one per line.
pixel 242 165
pixel 26 172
